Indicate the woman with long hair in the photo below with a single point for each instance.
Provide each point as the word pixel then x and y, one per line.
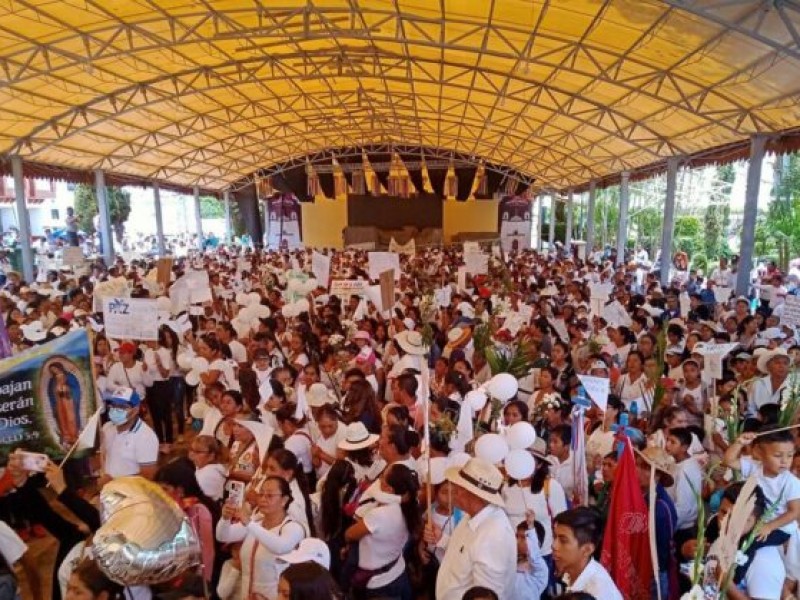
pixel 284 464
pixel 338 490
pixel 361 404
pixel 160 358
pixel 561 361
pixel 265 534
pixel 178 479
pixel 307 581
pixel 219 369
pixel 382 536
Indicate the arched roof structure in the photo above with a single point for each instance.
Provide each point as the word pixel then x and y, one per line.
pixel 206 92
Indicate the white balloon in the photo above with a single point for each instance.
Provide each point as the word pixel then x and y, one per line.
pixel 198 410
pixel 302 306
pixel 491 447
pixel 476 399
pixel 503 386
pixel 519 464
pixel 457 459
pixel 242 299
pixel 262 311
pixel 185 361
pixel 520 435
pixel 289 311
pixel 254 297
pixel 199 364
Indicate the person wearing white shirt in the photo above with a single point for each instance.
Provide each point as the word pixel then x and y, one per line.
pixel 533 573
pixel 770 389
pixel 688 476
pixel 130 447
pixel 576 536
pixel 482 550
pixel 561 458
pixel 722 276
pixel 129 372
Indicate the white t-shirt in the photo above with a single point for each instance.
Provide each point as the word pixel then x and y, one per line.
pixel 387 537
pixel 780 489
pixel 595 580
pixel 330 446
pixel 238 351
pixel 125 452
pixel 227 376
pixel 545 507
pixel 765 575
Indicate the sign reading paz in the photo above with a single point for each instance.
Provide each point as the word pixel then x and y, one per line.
pixel 130 318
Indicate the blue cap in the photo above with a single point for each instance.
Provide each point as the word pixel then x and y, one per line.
pixel 123 395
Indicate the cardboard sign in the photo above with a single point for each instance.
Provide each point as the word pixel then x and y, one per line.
pixel 597 388
pixel 130 318
pixel 387 289
pixel 321 267
pixel 383 261
pixel 344 288
pixel 164 271
pixel 712 365
pixel 722 294
pixel 72 256
pixel 791 311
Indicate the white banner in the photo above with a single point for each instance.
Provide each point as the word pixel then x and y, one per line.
pixel 72 256
pixel 597 388
pixel 321 267
pixel 344 288
pixel 130 318
pixel 383 261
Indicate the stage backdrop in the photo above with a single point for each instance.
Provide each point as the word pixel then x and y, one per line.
pixel 514 218
pixel 390 212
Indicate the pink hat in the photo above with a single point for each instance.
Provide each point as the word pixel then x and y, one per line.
pixel 362 335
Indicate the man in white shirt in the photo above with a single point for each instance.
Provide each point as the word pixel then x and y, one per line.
pixel 130 446
pixel 482 550
pixel 561 458
pixel 722 276
pixel 576 536
pixel 770 389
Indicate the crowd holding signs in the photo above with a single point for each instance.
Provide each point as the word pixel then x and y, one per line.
pixel 458 422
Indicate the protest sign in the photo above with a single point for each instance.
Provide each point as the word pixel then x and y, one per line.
pixel 709 349
pixel 712 365
pixel 33 416
pixel 199 287
pixel 791 311
pixel 616 315
pixel 321 267
pixel 383 261
pixel 344 288
pixel 130 318
pixel 683 300
pixel 373 294
pixel 597 388
pixel 601 290
pixel 443 295
pixel 471 247
pixel 477 263
pixel 722 294
pixel 72 256
pixel 387 289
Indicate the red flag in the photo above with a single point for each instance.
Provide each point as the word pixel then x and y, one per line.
pixel 626 543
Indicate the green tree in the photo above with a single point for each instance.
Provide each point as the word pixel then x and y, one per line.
pixel 211 208
pixel 119 208
pixel 606 215
pixel 687 234
pixel 782 223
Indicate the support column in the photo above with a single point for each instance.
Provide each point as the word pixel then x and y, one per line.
pixel 757 146
pixel 540 208
pixel 159 220
pixel 669 220
pixel 227 199
pixel 197 219
pixel 568 208
pixel 622 229
pixel 104 217
pixel 590 218
pixel 23 219
pixel 551 238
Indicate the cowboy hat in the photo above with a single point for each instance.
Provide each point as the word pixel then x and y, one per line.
pixel 34 332
pixel 411 342
pixel 480 478
pixel 765 357
pixel 658 459
pixel 357 437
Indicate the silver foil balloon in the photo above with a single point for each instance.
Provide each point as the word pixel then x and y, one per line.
pixel 145 538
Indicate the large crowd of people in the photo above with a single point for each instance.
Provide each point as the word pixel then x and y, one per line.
pixel 325 448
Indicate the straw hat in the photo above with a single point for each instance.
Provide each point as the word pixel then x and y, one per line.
pixel 411 342
pixel 480 478
pixel 317 395
pixel 660 461
pixel 765 357
pixel 357 437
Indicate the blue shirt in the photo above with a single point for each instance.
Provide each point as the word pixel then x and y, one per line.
pixel 666 520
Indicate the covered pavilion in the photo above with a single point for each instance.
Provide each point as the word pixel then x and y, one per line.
pixel 560 95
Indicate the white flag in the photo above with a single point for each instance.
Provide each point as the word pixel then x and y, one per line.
pixel 88 436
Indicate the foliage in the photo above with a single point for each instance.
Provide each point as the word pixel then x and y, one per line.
pixel 606 215
pixel 119 208
pixel 514 358
pixel 790 405
pixel 647 224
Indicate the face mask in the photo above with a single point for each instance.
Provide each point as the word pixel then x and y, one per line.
pixel 117 416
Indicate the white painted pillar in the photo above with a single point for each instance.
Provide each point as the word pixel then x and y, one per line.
pixel 622 227
pixel 568 208
pixel 159 220
pixel 551 238
pixel 590 218
pixel 23 219
pixel 227 198
pixel 104 217
pixel 669 220
pixel 758 145
pixel 197 218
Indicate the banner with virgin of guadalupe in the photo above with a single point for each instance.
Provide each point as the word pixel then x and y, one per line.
pixel 284 222
pixel 514 223
pixel 47 395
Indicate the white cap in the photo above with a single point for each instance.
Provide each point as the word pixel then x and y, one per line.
pixel 309 550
